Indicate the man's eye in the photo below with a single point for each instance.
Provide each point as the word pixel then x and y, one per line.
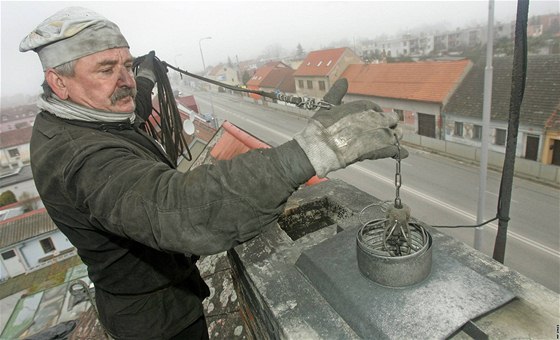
pixel 106 70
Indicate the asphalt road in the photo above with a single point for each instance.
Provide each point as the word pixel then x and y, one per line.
pixel 440 191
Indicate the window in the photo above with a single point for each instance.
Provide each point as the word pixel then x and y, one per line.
pixel 477 132
pixel 47 245
pixel 300 83
pixel 8 255
pixel 400 113
pixel 458 129
pixel 309 84
pixel 500 138
pixel 13 152
pixel 321 85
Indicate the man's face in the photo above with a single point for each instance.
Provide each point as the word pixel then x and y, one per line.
pixel 104 81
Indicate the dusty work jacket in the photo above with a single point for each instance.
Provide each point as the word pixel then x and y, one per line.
pixel 135 220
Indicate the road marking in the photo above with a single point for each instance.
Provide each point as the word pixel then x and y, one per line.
pixel 458 211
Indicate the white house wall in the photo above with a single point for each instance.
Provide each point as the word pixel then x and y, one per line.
pixel 3 271
pixel 32 250
pixel 23 150
pixel 22 187
pixel 524 131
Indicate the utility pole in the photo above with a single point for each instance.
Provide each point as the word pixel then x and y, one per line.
pixel 204 71
pixel 486 108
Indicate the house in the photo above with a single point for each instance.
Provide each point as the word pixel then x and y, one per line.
pixel 17 117
pixel 415 90
pixel 30 241
pixel 275 77
pixel 14 146
pixel 188 102
pixel 463 112
pixel 245 70
pixel 320 69
pixel 224 74
pixel 18 180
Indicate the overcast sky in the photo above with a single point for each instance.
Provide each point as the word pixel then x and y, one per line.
pixel 239 29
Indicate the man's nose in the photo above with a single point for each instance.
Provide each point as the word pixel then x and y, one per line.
pixel 126 78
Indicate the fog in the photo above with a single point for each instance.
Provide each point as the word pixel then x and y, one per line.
pixel 239 30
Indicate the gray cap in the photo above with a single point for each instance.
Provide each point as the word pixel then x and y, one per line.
pixel 70 34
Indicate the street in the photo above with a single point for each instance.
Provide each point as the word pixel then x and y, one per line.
pixel 440 191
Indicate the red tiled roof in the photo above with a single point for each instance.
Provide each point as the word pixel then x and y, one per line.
pixel 234 141
pixel 189 102
pixel 15 137
pixel 422 81
pixel 320 63
pixel 275 75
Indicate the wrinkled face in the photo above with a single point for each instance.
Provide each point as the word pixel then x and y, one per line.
pixel 104 81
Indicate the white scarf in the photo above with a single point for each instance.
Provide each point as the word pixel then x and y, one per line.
pixel 68 110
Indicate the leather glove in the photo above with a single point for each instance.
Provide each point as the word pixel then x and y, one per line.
pixel 146 67
pixel 342 135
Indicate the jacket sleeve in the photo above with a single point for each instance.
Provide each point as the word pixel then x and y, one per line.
pixel 205 211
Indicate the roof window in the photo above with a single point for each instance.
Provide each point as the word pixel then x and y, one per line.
pixel 319 64
pixel 329 63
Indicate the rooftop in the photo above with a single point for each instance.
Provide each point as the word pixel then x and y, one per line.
pixel 540 100
pixel 320 63
pixel 16 175
pixel 15 137
pixel 421 81
pixel 25 226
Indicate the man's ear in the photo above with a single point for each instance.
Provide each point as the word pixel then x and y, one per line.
pixel 57 83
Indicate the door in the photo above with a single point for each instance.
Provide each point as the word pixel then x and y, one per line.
pixel 426 125
pixel 12 263
pixel 532 147
pixel 556 152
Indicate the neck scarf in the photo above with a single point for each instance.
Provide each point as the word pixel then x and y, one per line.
pixel 66 109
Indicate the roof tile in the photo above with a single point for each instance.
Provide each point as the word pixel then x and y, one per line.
pixel 320 63
pixel 421 81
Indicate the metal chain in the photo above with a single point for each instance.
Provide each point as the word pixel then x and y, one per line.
pixel 398 177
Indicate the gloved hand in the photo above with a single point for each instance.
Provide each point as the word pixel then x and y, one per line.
pixel 146 68
pixel 337 137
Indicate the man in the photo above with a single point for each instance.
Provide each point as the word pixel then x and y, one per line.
pixel 138 223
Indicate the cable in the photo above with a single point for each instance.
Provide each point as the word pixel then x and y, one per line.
pixel 465 226
pixel 168 129
pixel 304 103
